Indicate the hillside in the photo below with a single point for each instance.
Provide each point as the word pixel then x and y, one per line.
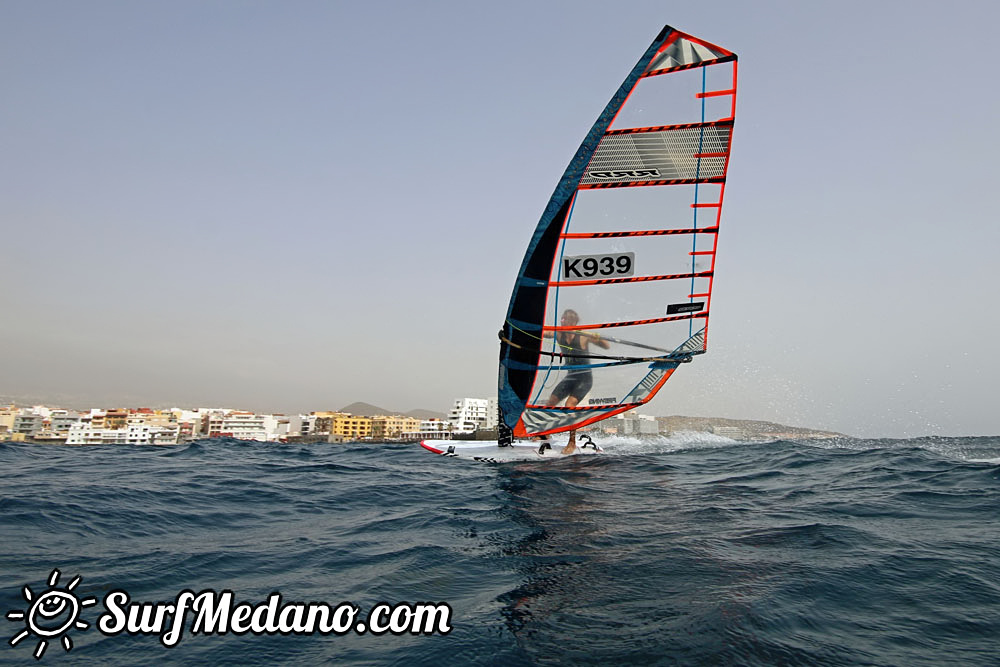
pixel 369 410
pixel 749 426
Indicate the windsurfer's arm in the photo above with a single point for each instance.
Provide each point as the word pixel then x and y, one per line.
pixel 597 340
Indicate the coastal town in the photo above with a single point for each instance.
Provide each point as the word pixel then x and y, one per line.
pixel 149 426
pixel 468 419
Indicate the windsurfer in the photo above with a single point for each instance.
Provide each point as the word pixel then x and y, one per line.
pixel 578 381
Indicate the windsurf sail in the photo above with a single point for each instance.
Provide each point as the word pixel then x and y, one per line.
pixel 615 289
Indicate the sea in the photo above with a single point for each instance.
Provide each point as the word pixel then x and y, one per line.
pixel 690 549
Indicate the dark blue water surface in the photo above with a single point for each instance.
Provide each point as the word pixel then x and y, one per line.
pixel 689 550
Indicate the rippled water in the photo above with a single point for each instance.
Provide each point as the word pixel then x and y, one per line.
pixel 682 550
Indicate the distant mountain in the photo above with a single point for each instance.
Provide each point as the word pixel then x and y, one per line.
pixel 52 400
pixel 365 409
pixel 748 426
pixel 369 410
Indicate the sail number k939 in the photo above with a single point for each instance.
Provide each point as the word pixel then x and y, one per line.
pixel 590 266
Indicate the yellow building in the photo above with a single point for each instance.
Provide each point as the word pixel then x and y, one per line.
pixel 155 417
pixel 392 428
pixel 350 427
pixel 324 421
pixel 110 419
pixel 7 416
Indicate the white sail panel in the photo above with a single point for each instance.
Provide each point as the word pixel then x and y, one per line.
pixel 687 51
pixel 685 153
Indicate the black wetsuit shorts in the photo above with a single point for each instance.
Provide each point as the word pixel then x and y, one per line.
pixel 576 383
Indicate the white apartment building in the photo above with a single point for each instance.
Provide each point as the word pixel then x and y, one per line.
pixel 243 426
pixel 472 414
pixel 430 429
pixel 137 432
pixel 303 425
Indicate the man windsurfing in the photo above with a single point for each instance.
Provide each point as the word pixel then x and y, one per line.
pixel 578 381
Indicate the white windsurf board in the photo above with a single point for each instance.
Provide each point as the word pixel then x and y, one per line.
pixel 487 451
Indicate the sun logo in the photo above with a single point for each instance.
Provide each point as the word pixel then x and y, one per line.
pixel 51 615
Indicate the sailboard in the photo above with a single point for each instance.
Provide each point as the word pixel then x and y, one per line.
pixel 615 289
pixel 525 450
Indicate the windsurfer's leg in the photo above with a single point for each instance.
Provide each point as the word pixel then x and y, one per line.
pixel 571 445
pixel 563 389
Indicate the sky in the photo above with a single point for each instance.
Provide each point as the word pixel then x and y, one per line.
pixel 292 206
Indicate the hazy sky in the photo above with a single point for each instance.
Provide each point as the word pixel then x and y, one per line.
pixel 290 206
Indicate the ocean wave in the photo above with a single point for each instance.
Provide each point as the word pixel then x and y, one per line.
pixel 680 549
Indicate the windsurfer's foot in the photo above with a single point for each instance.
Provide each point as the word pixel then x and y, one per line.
pixel 569 449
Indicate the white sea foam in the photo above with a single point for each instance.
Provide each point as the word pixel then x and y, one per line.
pixel 658 444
